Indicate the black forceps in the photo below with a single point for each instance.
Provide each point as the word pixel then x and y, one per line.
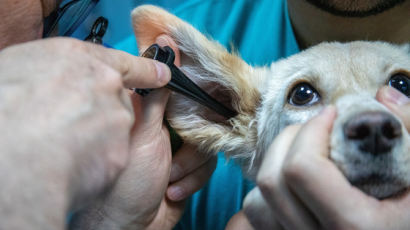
pixel 180 83
pixel 98 31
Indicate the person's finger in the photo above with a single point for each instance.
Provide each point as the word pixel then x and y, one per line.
pixel 258 212
pixel 314 178
pixel 192 182
pixel 152 109
pixel 289 211
pixel 397 102
pixel 136 72
pixel 321 187
pixel 162 40
pixel 239 222
pixel 186 160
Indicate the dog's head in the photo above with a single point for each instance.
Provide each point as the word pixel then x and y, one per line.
pixel 369 144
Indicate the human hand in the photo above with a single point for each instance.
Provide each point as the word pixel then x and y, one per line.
pixel 142 197
pixel 66 119
pixel 136 200
pixel 305 190
pixel 396 102
pixel 190 169
pixel 189 172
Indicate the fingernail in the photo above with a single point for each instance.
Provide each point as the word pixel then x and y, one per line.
pixel 176 172
pixel 163 73
pixel 176 193
pixel 394 96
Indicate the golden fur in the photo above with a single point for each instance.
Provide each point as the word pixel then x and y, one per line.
pixel 347 75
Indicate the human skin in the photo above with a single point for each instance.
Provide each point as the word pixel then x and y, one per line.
pixel 65 126
pixel 72 92
pixel 130 205
pixel 312 26
pixel 301 197
pixel 23 23
pixel 23 20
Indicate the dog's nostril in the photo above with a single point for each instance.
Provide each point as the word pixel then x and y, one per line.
pixel 374 132
pixel 357 132
pixel 391 129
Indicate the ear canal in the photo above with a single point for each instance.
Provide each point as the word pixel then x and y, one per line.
pixel 221 74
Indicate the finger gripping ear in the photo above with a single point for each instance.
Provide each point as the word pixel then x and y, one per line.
pixel 221 74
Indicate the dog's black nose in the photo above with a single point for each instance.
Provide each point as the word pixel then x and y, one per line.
pixel 374 132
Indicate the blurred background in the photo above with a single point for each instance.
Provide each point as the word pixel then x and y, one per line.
pixel 118 14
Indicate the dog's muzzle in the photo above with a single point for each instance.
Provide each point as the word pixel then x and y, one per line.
pixel 373 132
pixel 371 157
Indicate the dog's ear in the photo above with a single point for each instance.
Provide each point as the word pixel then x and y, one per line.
pixel 222 74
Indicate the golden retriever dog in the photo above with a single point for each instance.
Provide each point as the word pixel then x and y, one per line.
pixel 369 144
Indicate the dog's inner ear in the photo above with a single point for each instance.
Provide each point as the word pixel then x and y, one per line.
pixel 227 79
pixel 201 76
pixel 221 74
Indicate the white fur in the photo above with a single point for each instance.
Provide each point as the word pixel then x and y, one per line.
pixel 347 75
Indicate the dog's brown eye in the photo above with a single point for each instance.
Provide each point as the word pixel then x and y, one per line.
pixel 303 94
pixel 401 82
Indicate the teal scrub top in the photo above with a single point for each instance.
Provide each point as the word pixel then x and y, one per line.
pixel 261 32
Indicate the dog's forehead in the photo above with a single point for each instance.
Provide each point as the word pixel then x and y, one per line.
pixel 344 67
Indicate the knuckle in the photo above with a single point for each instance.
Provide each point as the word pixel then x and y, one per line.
pixel 107 78
pixel 123 118
pixel 69 44
pixel 113 79
pixel 293 170
pixel 258 211
pixel 267 183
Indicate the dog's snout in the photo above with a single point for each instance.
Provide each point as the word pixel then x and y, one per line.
pixel 374 132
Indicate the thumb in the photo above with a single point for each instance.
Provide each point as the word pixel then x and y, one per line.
pixel 397 102
pixel 153 108
pixel 149 111
pixel 315 133
pixel 154 104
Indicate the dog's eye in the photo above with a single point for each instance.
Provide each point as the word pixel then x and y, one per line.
pixel 400 82
pixel 303 94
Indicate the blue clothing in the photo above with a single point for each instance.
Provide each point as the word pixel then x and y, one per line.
pixel 261 32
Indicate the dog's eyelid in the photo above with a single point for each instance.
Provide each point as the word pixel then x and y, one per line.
pixel 402 72
pixel 401 82
pixel 311 82
pixel 303 94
